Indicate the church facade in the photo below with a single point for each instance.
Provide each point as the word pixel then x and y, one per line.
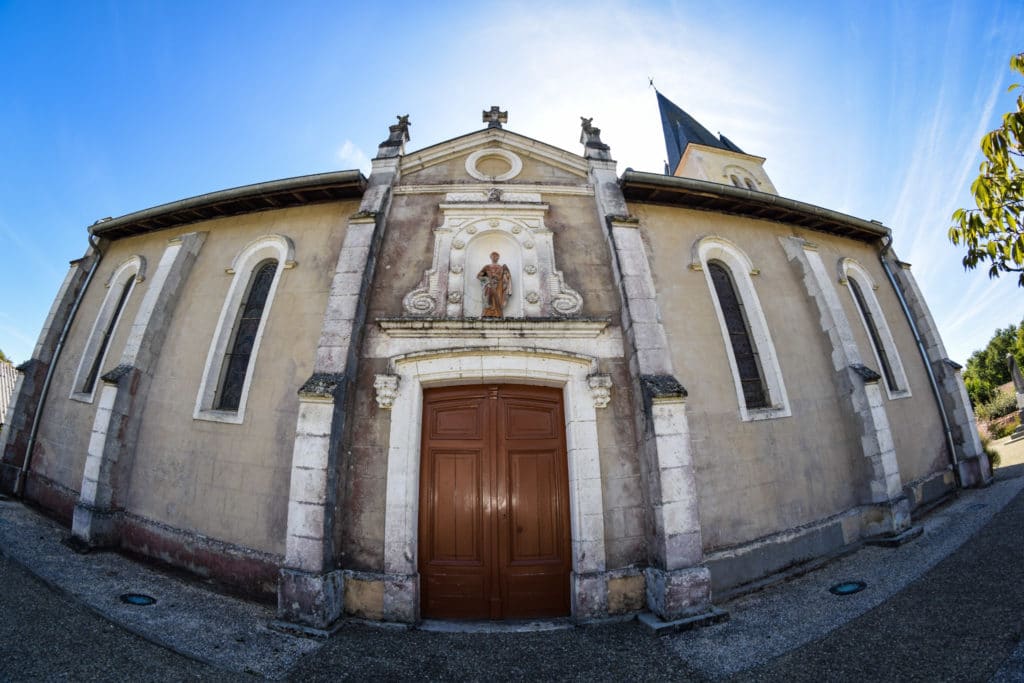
pixel 492 380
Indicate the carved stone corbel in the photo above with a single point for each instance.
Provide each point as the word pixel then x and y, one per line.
pixel 386 387
pixel 600 389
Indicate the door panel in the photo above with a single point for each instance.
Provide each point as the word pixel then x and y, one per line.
pixel 494 523
pixel 457 509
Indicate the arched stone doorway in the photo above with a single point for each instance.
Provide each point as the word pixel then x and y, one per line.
pixel 416 372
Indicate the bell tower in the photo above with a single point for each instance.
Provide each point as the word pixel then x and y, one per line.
pixel 693 152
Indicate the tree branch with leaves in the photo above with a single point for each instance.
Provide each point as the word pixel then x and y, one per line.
pixel 994 232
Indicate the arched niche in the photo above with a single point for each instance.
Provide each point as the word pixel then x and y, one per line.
pixel 478 254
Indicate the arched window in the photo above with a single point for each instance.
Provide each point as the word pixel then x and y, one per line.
pixel 883 346
pixel 750 184
pixel 735 181
pixel 231 361
pixel 760 390
pixel 236 360
pixel 747 364
pixel 119 289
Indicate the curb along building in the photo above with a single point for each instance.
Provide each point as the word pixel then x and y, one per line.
pixel 492 380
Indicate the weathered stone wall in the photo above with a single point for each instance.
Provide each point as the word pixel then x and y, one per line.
pixel 64 431
pixel 230 481
pixel 581 253
pixel 760 477
pixel 914 420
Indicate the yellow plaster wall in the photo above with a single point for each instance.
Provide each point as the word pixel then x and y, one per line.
pixel 63 438
pixel 756 478
pixel 231 481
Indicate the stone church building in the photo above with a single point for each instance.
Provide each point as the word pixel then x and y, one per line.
pixel 493 380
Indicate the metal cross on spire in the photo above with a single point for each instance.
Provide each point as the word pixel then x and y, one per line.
pixel 495 117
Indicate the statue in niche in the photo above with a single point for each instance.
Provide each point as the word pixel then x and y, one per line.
pixel 497 283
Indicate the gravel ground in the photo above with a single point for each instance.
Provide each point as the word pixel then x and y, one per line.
pixel 959 622
pixel 188 617
pixel 45 636
pixel 947 606
pixel 616 652
pixel 770 623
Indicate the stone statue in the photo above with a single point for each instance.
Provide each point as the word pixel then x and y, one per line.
pixel 497 283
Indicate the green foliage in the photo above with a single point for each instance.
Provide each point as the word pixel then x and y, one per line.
pixel 993 455
pixel 994 232
pixel 1003 403
pixel 986 369
pixel 1003 428
pixel 3 358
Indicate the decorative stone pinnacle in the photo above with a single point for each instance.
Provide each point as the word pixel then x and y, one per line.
pixel 590 138
pixel 398 135
pixel 494 117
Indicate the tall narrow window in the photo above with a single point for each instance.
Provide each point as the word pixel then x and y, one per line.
pixel 747 341
pixel 104 341
pixel 120 286
pixel 862 290
pixel 750 184
pixel 735 181
pixel 228 375
pixel 236 360
pixel 748 364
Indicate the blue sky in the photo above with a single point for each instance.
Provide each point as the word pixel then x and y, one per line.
pixel 874 109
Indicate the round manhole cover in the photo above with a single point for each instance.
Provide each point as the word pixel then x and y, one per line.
pixel 847 588
pixel 138 599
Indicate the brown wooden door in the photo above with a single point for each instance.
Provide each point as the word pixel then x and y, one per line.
pixel 494 539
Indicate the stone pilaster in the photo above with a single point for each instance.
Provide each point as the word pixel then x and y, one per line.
pixel 123 395
pixel 890 510
pixel 973 466
pixel 32 375
pixel 310 589
pixel 678 585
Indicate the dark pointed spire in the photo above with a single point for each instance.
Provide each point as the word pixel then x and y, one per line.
pixel 681 129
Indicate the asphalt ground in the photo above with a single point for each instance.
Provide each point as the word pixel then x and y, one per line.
pixel 947 606
pixel 959 622
pixel 45 635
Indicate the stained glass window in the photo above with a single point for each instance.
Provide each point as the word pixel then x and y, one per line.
pixel 236 360
pixel 747 362
pixel 869 319
pixel 94 370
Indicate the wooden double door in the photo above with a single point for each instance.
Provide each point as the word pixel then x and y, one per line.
pixel 494 531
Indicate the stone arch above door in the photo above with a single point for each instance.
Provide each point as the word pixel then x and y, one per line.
pixel 474 366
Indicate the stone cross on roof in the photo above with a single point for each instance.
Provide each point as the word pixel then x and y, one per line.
pixel 495 117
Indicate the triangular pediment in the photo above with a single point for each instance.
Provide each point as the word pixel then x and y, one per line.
pixel 493 155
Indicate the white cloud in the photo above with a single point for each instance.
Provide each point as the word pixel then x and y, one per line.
pixel 351 155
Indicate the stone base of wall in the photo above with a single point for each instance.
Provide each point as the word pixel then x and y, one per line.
pixel 55 499
pixel 678 593
pixel 927 492
pixel 313 601
pixel 975 472
pixel 751 566
pixel 395 598
pixel 740 569
pixel 240 570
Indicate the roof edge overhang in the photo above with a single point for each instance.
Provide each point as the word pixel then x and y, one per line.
pixel 655 188
pixel 274 194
